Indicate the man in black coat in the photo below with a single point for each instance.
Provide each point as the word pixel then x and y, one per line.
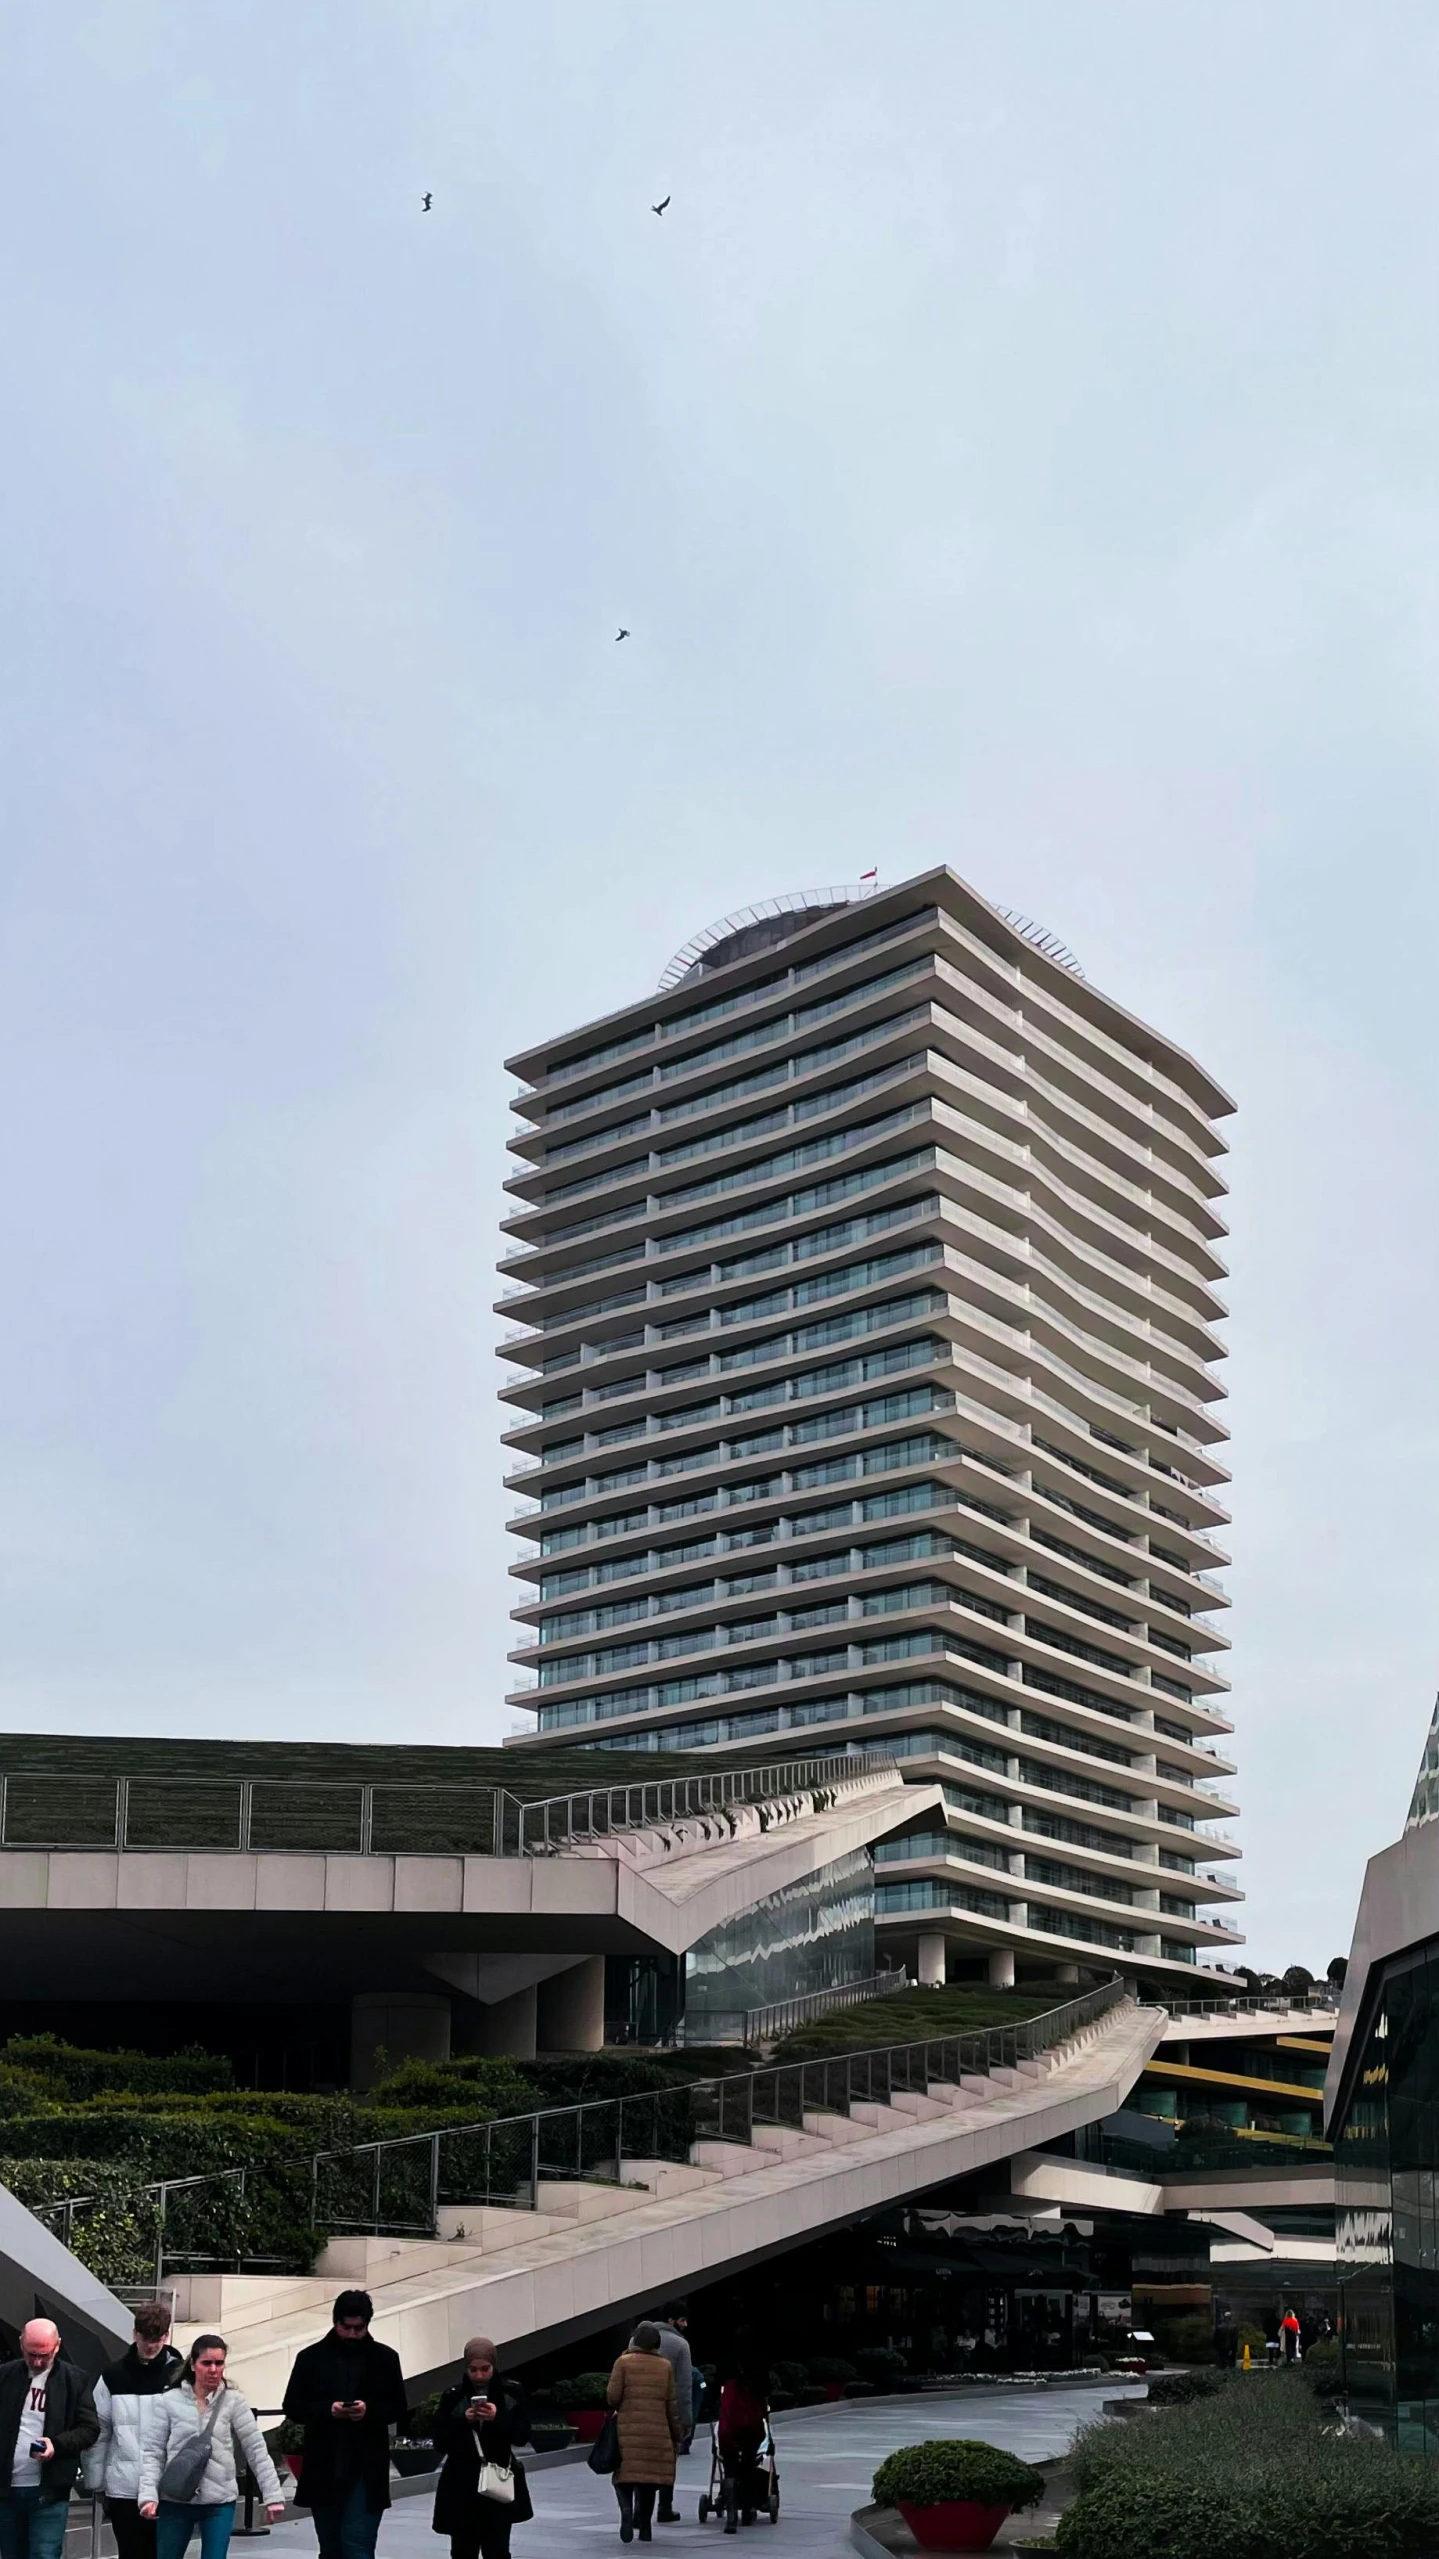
pixel 47 2419
pixel 346 2391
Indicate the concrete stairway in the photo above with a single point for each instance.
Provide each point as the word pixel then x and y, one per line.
pixel 595 2252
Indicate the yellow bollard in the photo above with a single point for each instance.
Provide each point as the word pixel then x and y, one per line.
pixel 1246 2365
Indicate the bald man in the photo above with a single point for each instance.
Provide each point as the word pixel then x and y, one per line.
pixel 47 2420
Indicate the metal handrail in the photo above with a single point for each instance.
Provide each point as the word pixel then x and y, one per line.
pixel 541 1829
pixel 507 2161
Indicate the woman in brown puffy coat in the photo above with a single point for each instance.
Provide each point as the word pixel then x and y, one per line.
pixel 642 2393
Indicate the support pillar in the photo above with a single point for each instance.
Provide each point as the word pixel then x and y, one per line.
pixel 931 1961
pixel 387 2027
pixel 1001 1968
pixel 1066 1972
pixel 570 2009
pixel 507 2027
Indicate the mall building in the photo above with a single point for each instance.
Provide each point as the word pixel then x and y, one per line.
pixel 863 1294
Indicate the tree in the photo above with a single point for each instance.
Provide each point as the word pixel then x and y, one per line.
pixel 1337 1970
pixel 1298 1981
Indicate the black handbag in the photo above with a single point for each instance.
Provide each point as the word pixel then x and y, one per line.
pixel 604 2452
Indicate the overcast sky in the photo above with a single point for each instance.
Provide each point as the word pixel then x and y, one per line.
pixel 1015 446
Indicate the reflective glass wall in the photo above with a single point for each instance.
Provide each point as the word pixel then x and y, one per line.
pixel 1386 2157
pixel 817 1934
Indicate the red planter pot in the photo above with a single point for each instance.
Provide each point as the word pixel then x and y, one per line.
pixel 586 2422
pixel 834 2390
pixel 959 2524
pixel 295 2463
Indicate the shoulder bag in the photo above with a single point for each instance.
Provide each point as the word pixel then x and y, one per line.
pixel 186 2468
pixel 497 2482
pixel 604 2452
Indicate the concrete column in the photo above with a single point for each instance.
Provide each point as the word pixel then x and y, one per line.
pixel 507 2027
pixel 398 2025
pixel 570 2009
pixel 1001 1967
pixel 931 1961
pixel 1066 1972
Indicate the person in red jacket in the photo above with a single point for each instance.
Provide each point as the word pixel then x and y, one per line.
pixel 743 2417
pixel 1289 2336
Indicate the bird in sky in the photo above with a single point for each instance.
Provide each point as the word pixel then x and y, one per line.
pixel 659 208
pixel 429 200
pixel 621 635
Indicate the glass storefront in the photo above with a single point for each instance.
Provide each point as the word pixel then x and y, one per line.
pixel 1386 2156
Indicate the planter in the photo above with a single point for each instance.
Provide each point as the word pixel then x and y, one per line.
pixel 833 2389
pixel 587 2423
pixel 958 2524
pixel 412 2460
pixel 552 2437
pixel 294 2463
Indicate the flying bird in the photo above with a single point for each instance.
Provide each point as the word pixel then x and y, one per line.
pixel 429 200
pixel 659 208
pixel 621 635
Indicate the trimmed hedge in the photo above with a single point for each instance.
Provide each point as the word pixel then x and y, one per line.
pixel 1248 2471
pixel 81 2072
pixel 957 2470
pixel 115 2236
pixel 908 2017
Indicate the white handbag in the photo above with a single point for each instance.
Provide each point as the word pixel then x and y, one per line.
pixel 497 2481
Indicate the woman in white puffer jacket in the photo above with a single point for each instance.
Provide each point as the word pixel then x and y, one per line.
pixel 203 2400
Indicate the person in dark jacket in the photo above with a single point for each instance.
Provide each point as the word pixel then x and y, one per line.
pixel 47 2420
pixel 346 2391
pixel 480 2418
pixel 743 2419
pixel 124 2403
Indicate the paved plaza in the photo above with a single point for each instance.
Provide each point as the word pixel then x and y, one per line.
pixel 827 2458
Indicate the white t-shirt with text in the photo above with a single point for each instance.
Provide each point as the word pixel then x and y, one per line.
pixel 27 2471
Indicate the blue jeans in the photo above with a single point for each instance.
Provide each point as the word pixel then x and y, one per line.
pixel 348 2529
pixel 32 2526
pixel 174 2525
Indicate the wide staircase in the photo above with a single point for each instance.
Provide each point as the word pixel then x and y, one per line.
pixel 791 2151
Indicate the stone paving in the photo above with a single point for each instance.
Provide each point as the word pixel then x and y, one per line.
pixel 827 2458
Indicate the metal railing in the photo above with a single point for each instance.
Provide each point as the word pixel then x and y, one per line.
pixel 782 2016
pixel 402 2185
pixel 240 1816
pixel 567 1821
pixel 1267 2003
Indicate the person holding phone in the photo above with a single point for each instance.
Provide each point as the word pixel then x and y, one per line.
pixel 478 2423
pixel 347 2391
pixel 47 2420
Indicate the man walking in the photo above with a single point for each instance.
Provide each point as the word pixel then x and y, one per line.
pixel 47 2420
pixel 346 2391
pixel 674 2346
pixel 125 2397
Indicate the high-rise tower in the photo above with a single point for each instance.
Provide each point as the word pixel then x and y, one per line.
pixel 868 1400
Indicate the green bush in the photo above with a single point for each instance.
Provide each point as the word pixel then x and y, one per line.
pixel 468 2090
pixel 957 2471
pixel 908 2017
pixel 825 2370
pixel 789 2376
pixel 881 2366
pixel 1176 2389
pixel 114 2234
pixel 82 2073
pixel 1189 2341
pixel 1241 2473
pixel 582 2390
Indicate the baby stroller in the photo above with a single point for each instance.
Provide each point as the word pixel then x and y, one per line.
pixel 727 2497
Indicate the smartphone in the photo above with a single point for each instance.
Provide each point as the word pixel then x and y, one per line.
pixel 37 2453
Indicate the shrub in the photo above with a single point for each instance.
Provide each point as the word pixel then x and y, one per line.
pixel 81 2072
pixel 1176 2389
pixel 1243 2472
pixel 583 2390
pixel 825 2370
pixel 115 2234
pixel 881 2366
pixel 468 2090
pixel 956 2472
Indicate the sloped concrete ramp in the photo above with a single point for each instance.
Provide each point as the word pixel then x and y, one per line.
pixel 595 2253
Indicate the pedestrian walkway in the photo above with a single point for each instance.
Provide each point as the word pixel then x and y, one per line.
pixel 827 2459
